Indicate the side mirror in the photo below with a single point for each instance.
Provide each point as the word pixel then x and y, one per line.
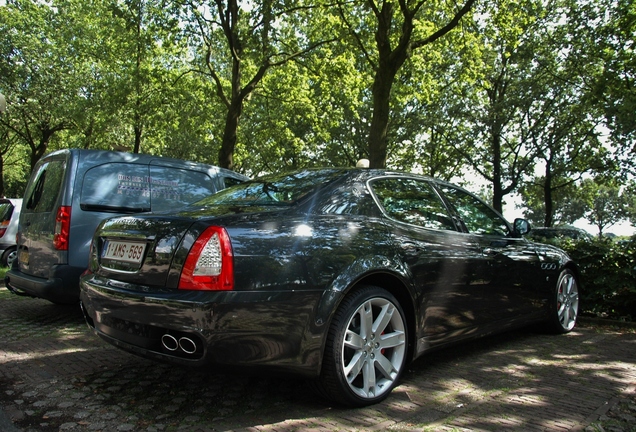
pixel 521 227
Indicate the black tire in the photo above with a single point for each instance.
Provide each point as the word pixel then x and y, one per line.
pixel 8 256
pixel 564 304
pixel 364 359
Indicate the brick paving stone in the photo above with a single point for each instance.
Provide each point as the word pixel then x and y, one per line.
pixel 56 375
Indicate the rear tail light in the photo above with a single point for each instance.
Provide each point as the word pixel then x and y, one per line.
pixel 3 227
pixel 210 264
pixel 62 228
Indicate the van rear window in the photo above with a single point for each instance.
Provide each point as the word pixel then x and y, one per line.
pixel 116 187
pixel 134 188
pixel 43 192
pixel 173 188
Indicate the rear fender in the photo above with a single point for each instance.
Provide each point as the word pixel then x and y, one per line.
pixel 361 271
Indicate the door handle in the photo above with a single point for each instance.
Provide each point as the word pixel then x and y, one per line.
pixel 491 251
pixel 411 248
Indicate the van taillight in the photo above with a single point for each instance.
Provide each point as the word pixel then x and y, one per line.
pixel 210 263
pixel 62 228
pixel 3 228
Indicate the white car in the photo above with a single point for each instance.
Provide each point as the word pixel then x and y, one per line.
pixel 9 217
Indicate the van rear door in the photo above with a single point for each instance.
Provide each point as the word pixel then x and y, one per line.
pixel 38 222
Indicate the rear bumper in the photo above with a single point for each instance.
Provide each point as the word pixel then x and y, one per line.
pixel 270 330
pixel 59 288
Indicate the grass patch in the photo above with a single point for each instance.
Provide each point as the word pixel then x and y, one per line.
pixel 3 272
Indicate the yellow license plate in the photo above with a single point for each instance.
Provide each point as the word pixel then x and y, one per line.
pixel 23 257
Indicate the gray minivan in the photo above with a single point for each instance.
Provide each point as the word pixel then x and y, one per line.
pixel 71 191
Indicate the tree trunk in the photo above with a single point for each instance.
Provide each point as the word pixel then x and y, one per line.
pixel 138 133
pixel 497 188
pixel 547 196
pixel 378 132
pixel 389 62
pixel 226 153
pixel 1 175
pixel 38 151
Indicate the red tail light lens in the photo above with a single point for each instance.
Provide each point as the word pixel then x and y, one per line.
pixel 210 263
pixel 62 228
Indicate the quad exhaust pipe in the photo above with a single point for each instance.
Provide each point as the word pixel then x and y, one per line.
pixel 173 344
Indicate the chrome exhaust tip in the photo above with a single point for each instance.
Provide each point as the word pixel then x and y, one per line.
pixel 187 345
pixel 169 342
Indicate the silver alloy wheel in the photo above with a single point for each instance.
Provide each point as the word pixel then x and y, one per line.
pixel 567 301
pixel 11 257
pixel 374 347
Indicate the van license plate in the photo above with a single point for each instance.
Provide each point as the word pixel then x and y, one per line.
pixel 23 257
pixel 124 251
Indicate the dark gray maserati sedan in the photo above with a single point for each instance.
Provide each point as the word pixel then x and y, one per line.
pixel 342 276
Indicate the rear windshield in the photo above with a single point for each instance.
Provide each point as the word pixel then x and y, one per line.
pixel 285 189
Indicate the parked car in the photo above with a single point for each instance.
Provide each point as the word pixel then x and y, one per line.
pixel 542 234
pixel 9 217
pixel 71 191
pixel 342 275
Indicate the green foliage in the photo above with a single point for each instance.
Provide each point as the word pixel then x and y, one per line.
pixel 606 203
pixel 608 276
pixel 567 206
pixel 515 88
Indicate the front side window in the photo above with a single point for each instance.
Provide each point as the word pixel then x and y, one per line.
pixel 414 202
pixel 42 193
pixel 477 216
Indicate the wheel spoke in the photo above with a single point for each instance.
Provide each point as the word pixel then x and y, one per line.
pixel 353 340
pixel 392 340
pixel 366 318
pixel 368 376
pixel 564 316
pixel 385 367
pixel 352 370
pixel 384 318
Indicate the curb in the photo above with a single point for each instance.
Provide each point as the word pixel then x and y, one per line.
pixel 606 322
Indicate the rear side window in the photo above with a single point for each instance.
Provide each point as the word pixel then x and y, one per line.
pixel 6 210
pixel 43 192
pixel 116 187
pixel 173 188
pixel 231 181
pixel 414 202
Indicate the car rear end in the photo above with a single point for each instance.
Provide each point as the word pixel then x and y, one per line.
pixel 202 291
pixel 43 238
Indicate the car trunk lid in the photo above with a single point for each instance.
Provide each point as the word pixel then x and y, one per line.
pixel 138 250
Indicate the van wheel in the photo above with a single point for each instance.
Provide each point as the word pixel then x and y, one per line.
pixel 8 257
pixel 366 348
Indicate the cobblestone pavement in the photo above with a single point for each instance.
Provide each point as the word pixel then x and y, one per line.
pixel 55 375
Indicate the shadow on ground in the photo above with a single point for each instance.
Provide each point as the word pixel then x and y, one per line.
pixel 56 375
